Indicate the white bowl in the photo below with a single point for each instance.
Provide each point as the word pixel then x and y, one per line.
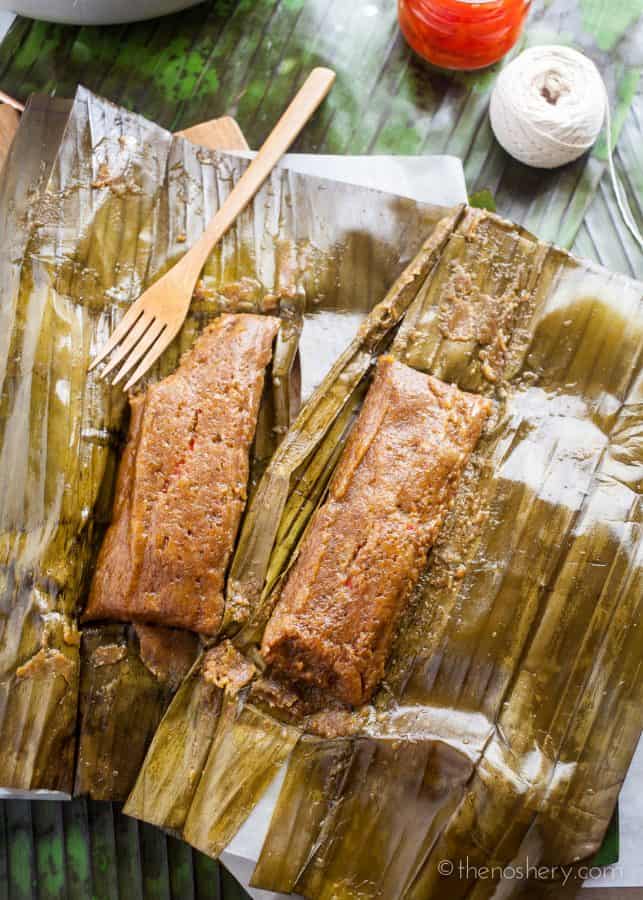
pixel 95 12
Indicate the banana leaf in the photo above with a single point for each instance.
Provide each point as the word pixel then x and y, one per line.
pixel 514 673
pixel 40 702
pixel 128 674
pixel 525 666
pixel 334 399
pixel 168 783
pixel 98 203
pixel 211 759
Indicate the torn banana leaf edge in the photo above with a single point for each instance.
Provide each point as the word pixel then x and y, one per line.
pixel 36 715
pixel 116 201
pixel 514 674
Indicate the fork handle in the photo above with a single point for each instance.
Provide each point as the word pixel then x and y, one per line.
pixel 301 108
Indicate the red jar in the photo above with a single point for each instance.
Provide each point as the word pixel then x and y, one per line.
pixel 462 34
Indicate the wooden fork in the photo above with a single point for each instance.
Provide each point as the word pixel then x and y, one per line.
pixel 156 317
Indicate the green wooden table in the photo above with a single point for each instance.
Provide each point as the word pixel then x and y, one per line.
pixel 246 58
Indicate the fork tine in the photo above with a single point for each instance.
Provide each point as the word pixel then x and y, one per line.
pixel 147 341
pixel 128 344
pixel 128 321
pixel 153 354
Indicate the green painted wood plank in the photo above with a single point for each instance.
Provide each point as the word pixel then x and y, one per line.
pixel 128 854
pixel 230 887
pixel 21 878
pixel 73 850
pixel 268 60
pixel 181 869
pixel 77 850
pixel 207 878
pixel 608 23
pixel 4 863
pixel 299 55
pixel 103 850
pixel 608 854
pixel 352 44
pixel 49 842
pixel 234 54
pixel 154 864
pixel 365 135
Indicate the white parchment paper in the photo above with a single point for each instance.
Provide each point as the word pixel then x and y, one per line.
pixel 429 179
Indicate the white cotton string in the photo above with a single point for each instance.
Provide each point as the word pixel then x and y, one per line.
pixel 548 107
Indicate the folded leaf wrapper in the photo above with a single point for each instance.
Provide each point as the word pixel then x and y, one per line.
pixel 39 659
pixel 98 202
pixel 511 704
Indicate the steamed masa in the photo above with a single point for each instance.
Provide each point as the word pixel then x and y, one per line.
pixel 367 545
pixel 182 483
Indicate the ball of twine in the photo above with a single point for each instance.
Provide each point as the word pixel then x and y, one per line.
pixel 548 106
